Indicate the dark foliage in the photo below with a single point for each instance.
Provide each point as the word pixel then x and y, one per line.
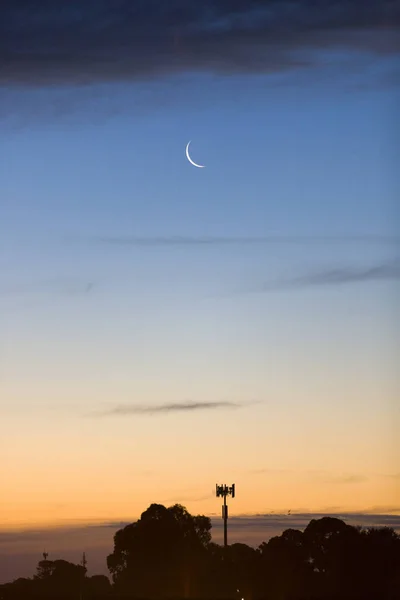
pixel 168 554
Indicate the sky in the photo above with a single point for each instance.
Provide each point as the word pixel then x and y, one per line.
pixel 163 327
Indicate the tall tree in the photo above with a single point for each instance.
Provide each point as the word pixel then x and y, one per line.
pixel 59 578
pixel 161 554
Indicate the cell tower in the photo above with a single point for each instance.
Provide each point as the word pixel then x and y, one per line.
pixel 224 491
pixel 83 563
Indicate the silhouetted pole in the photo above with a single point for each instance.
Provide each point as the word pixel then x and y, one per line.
pixel 225 515
pixel 224 491
pixel 83 563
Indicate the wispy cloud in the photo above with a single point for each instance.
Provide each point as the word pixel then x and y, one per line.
pixel 350 479
pixel 141 409
pixel 337 276
pixel 181 240
pixel 182 499
pixel 343 479
pixel 69 287
pixel 322 476
pixel 178 240
pixel 382 510
pixel 269 471
pixel 80 41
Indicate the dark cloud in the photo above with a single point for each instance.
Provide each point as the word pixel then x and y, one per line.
pixel 140 409
pixel 89 41
pixel 61 537
pixel 338 276
pixel 254 529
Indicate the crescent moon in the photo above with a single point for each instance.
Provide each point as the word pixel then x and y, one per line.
pixel 192 161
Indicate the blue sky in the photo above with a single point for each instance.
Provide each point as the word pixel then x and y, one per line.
pixel 283 158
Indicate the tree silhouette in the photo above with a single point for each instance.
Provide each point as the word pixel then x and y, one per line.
pixel 58 579
pixel 168 553
pixel 59 576
pixel 45 568
pixel 381 560
pixel 160 554
pixel 285 564
pixel 97 586
pixel 243 568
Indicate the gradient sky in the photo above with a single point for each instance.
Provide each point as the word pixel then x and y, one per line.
pixel 165 327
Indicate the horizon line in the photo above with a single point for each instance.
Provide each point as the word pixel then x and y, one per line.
pixel 88 522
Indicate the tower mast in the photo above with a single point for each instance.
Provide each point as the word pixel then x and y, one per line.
pixel 224 491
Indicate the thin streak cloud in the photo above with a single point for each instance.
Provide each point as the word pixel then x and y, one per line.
pixel 345 478
pixel 47 287
pixel 350 479
pixel 140 409
pixel 337 276
pixel 245 240
pixel 268 471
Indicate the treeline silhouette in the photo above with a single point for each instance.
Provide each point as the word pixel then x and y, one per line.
pixel 168 554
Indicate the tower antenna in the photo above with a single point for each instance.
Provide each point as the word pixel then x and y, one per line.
pixel 224 491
